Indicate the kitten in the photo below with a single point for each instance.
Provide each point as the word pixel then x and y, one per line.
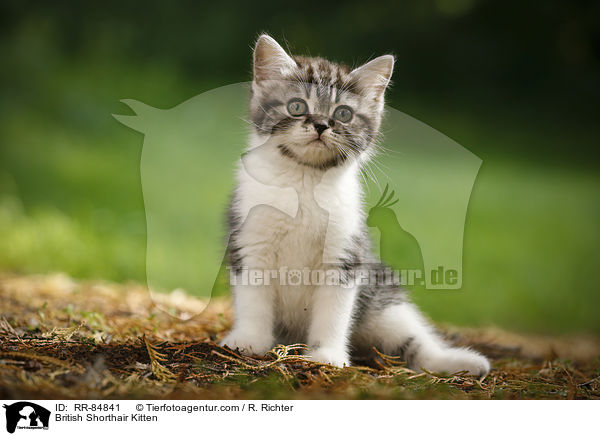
pixel 314 124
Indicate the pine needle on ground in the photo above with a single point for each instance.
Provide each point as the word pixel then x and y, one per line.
pixel 115 341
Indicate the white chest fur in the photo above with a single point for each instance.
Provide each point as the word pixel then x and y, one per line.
pixel 304 219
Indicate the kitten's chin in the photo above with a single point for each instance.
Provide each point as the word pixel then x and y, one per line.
pixel 315 154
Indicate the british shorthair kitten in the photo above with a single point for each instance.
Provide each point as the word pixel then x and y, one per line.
pixel 314 124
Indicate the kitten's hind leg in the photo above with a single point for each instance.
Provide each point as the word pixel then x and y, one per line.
pixel 400 330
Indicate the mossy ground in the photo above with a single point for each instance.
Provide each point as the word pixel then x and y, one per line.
pixel 65 339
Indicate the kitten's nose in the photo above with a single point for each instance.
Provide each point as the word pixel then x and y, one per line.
pixel 320 128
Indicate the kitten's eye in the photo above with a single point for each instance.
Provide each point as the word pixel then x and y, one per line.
pixel 297 107
pixel 343 114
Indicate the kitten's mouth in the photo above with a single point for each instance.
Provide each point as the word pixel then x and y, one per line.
pixel 315 153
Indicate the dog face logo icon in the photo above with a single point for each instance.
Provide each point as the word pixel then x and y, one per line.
pixel 26 415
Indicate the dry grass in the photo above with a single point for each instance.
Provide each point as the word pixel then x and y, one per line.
pixel 65 339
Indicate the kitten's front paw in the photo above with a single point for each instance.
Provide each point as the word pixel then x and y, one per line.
pixel 248 343
pixel 328 355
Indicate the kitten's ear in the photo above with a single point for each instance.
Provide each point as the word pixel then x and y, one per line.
pixel 270 59
pixel 374 76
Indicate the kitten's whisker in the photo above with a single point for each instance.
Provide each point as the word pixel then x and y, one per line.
pixel 250 122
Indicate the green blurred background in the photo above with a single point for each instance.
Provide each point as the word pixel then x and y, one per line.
pixel 517 83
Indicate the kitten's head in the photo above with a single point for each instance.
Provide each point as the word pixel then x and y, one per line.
pixel 315 112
